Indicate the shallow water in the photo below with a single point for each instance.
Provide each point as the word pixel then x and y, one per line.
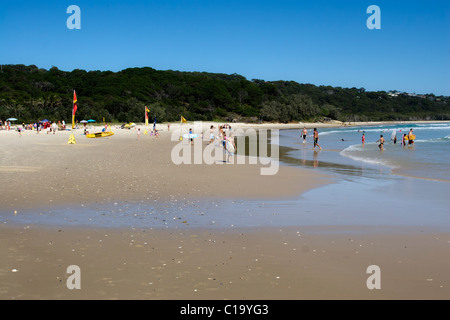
pixel 428 158
pixel 399 201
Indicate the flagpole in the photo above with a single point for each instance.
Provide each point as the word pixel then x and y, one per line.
pixel 181 123
pixel 73 112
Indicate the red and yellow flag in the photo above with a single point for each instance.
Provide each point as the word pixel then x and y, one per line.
pixel 146 115
pixel 74 102
pixel 75 107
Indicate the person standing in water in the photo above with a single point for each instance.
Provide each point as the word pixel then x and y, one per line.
pixel 404 139
pixel 316 139
pixel 363 139
pixel 381 140
pixel 411 137
pixel 304 134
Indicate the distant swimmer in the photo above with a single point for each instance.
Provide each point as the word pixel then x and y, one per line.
pixel 381 141
pixel 304 134
pixel 363 139
pixel 316 139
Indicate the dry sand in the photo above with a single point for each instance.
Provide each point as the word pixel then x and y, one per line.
pixel 39 170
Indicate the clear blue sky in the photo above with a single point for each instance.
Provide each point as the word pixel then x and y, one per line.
pixel 318 42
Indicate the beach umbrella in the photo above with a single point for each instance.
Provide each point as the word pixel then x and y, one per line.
pixel 83 121
pixel 11 119
pixel 45 120
pixel 91 120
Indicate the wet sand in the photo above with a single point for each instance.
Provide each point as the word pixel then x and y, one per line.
pixel 295 262
pixel 272 264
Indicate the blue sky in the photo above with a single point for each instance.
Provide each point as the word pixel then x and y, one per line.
pixel 318 42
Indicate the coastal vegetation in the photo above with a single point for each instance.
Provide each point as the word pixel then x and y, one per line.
pixel 30 93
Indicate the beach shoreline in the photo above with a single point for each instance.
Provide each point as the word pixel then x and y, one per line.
pixel 42 171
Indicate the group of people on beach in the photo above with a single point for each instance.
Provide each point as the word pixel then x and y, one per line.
pixel 48 126
pixel 153 132
pixel 406 139
pixel 7 125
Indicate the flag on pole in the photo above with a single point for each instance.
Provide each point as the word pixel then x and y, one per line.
pixel 146 116
pixel 182 120
pixel 75 107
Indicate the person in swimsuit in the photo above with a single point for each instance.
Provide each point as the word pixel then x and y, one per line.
pixel 381 140
pixel 363 139
pixel 304 133
pixel 410 135
pixel 316 139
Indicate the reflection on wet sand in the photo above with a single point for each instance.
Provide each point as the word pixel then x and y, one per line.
pixel 286 158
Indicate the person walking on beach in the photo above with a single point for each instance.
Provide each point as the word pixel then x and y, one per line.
pixel 54 127
pixel 228 140
pixel 211 134
pixel 138 133
pixel 304 134
pixel 363 139
pixel 381 140
pixel 316 139
pixel 190 136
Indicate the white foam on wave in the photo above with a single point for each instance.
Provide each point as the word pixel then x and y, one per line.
pixel 355 152
pixel 434 140
pixel 434 124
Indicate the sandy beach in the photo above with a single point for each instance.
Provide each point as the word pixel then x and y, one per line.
pixel 247 264
pixel 42 171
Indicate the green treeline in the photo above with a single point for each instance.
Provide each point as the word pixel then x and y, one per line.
pixel 30 93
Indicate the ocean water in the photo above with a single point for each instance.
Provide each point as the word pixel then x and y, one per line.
pixel 343 152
